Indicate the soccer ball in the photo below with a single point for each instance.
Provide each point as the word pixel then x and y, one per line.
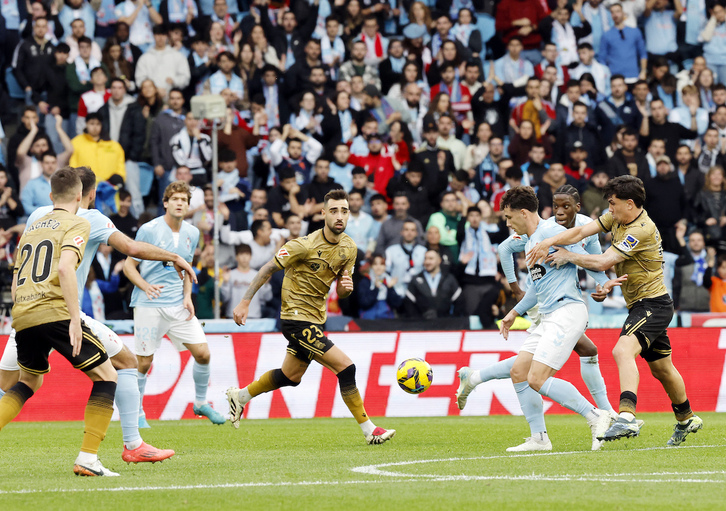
pixel 414 375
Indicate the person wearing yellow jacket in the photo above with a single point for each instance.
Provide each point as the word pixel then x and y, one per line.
pixel 104 157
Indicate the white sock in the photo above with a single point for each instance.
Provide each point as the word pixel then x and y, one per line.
pixel 541 436
pixel 475 378
pixel 199 403
pixel 592 415
pixel 367 427
pixel 135 444
pixel 86 458
pixel 627 416
pixel 244 396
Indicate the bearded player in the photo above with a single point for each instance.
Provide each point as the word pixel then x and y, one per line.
pixel 311 264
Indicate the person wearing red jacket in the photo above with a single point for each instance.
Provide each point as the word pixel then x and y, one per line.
pixel 521 18
pixel 379 168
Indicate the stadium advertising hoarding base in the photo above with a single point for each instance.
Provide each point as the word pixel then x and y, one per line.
pixel 699 355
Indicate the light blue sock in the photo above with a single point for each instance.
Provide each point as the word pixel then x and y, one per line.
pixel 127 400
pixel 590 372
pixel 531 404
pixel 498 371
pixel 200 373
pixel 566 394
pixel 2 393
pixel 141 380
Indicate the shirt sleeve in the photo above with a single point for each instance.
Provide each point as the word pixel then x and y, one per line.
pixel 606 222
pixel 529 300
pixel 507 249
pixel 76 237
pixel 291 252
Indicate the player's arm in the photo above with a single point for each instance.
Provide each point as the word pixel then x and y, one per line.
pixel 69 288
pixel 601 262
pixel 131 270
pixel 188 303
pixel 345 285
pixel 506 250
pixel 526 303
pixel 567 237
pixel 263 275
pixel 142 250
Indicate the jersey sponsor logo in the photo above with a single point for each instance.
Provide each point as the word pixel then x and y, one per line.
pixel 320 253
pixel 537 272
pixel 629 243
pixel 78 240
pixel 282 252
pixel 314 266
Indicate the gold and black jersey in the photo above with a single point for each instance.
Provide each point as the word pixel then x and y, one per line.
pixel 38 296
pixel 311 264
pixel 639 242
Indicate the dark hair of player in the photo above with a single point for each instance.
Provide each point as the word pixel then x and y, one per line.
pixel 88 179
pixel 337 194
pixel 625 188
pixel 64 184
pixel 520 197
pixel 177 187
pixel 568 190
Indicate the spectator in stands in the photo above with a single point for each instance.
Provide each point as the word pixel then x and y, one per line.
pixel 405 259
pixel 431 293
pixel 589 64
pixel 447 220
pixel 715 281
pixel 104 156
pixel 689 174
pixel 693 296
pixel 659 127
pixel 534 169
pixel 584 133
pixel 376 294
pixel 410 184
pixel 593 202
pixel 315 192
pixel 712 151
pixel 238 280
pixel 690 109
pixel 539 113
pixel 513 68
pixel 357 66
pixel 33 56
pixel 665 202
pixel 391 68
pixel 485 108
pixel 558 30
pixel 287 38
pixel 192 148
pixel 124 221
pixel 360 224
pixel 617 109
pixel 379 167
pixel 93 99
pixel 435 163
pixel 163 65
pixel 629 160
pixel 713 38
pixel 376 44
pixel 167 124
pixel 709 206
pixel 36 193
pixel 11 209
pixel 552 180
pixel 78 30
pixel 622 48
pixel 286 198
pixel 34 145
pixel 299 156
pixel 122 119
pixel 520 19
pixel 448 141
pixel 390 232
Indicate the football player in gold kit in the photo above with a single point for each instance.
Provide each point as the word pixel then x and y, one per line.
pixel 46 316
pixel 311 264
pixel 636 253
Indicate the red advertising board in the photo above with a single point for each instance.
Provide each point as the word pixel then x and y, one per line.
pixel 238 358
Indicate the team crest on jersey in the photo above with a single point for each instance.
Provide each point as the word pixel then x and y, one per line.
pixel 78 240
pixel 189 243
pixel 341 253
pixel 629 243
pixel 110 225
pixel 314 266
pixel 282 252
pixel 537 272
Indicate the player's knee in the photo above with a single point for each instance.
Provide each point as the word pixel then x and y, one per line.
pixel 517 374
pixel 144 363
pixel 346 377
pixel 585 348
pixel 283 381
pixel 535 381
pixel 124 360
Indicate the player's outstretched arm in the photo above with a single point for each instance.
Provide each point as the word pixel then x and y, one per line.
pixel 131 271
pixel 142 250
pixel 539 252
pixel 69 288
pixel 601 262
pixel 240 312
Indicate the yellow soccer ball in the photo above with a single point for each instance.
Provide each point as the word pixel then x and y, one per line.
pixel 414 375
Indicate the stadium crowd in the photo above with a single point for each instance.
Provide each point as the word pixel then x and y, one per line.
pixel 425 112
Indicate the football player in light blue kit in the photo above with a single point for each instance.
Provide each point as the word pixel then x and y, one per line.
pixel 163 304
pixel 566 201
pixel 127 391
pixel 563 319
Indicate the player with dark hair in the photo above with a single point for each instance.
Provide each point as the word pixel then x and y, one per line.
pixel 46 316
pixel 311 264
pixel 566 213
pixel 635 253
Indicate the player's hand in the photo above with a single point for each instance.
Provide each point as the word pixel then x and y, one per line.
pixel 189 305
pixel 559 257
pixel 346 282
pixel 240 312
pixel 180 265
pixel 603 291
pixel 538 254
pixel 76 335
pixel 507 323
pixel 153 291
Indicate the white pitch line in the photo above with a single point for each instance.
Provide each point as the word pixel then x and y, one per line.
pixel 376 469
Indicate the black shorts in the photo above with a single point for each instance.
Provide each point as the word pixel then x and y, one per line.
pixel 35 344
pixel 305 339
pixel 648 320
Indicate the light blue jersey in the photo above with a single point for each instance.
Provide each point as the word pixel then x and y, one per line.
pixel 101 230
pixel 516 243
pixel 547 286
pixel 157 232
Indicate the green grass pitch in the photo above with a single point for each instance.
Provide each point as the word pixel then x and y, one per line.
pixel 319 464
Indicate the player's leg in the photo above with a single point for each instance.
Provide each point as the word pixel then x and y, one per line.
pixel 590 372
pixel 13 400
pixel 470 378
pixel 530 402
pixel 9 370
pixel 149 328
pixel 334 359
pixel 672 381
pixel 288 375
